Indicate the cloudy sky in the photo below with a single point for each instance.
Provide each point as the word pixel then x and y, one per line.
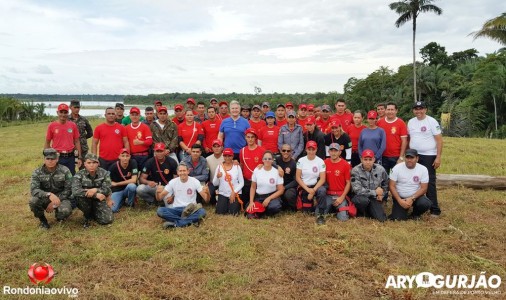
pixel 157 46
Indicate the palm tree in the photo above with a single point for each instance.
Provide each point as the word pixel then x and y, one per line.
pixel 409 10
pixel 494 29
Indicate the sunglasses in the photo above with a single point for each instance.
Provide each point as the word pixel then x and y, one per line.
pixel 284 150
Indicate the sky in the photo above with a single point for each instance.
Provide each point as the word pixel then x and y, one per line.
pixel 144 47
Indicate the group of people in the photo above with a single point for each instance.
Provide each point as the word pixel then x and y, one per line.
pixel 240 159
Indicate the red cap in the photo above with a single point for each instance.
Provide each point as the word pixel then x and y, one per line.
pixel 289 104
pixel 311 120
pixel 135 110
pixel 158 102
pixel 367 153
pixel 216 141
pixel 162 108
pixel 251 130
pixel 335 123
pixel 63 106
pixel 301 106
pixel 372 114
pixel 159 146
pixel 223 103
pixel 228 151
pixel 190 100
pixel 123 150
pixel 310 107
pixel 311 144
pixel 178 106
pixel 257 208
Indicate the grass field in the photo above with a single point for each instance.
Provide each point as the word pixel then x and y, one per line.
pixel 287 257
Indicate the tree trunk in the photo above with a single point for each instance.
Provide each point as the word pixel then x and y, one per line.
pixel 414 57
pixel 478 182
pixel 495 112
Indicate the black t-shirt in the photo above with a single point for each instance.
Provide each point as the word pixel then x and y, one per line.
pixel 160 173
pixel 344 141
pixel 116 173
pixel 289 168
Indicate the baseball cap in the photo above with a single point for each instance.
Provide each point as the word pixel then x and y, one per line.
pixel 310 107
pixel 75 103
pixel 256 106
pixel 280 105
pixel 270 114
pixel 411 152
pixel 257 208
pixel 334 146
pixel 216 141
pixel 190 100
pixel 158 102
pixel 265 103
pixel 120 105
pixel 310 120
pixel 289 104
pixel 135 110
pixel 162 108
pixel 368 153
pixel 311 144
pixel 159 147
pixel 292 114
pixel 335 123
pixel 123 150
pixel 419 104
pixel 245 107
pixel 213 100
pixel 63 106
pixel 251 130
pixel 178 106
pixel 223 103
pixel 91 156
pixel 50 153
pixel 372 114
pixel 302 106
pixel 228 151
pixel 326 107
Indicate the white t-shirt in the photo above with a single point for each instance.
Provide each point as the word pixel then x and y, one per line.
pixel 212 164
pixel 311 169
pixel 266 180
pixel 184 192
pixel 422 134
pixel 407 181
pixel 223 186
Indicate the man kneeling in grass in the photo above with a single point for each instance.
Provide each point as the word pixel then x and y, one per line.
pixel 181 208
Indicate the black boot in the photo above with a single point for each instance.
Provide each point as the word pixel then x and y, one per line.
pixel 43 223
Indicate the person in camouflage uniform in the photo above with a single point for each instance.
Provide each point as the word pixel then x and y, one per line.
pixel 165 131
pixel 85 130
pixel 50 189
pixel 91 187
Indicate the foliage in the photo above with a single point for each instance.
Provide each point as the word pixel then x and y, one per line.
pixel 12 110
pixel 494 29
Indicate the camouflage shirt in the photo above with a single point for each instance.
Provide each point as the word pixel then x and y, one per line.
pixel 85 131
pixel 167 135
pixel 84 181
pixel 57 182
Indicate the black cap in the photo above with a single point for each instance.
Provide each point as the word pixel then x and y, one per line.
pixel 120 105
pixel 246 107
pixel 411 152
pixel 419 104
pixel 280 105
pixel 50 153
pixel 75 103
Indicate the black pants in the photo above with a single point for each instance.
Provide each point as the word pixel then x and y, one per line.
pixel 105 164
pixel 427 161
pixel 355 159
pixel 212 192
pixel 246 192
pixel 421 205
pixel 224 207
pixel 289 198
pixel 369 207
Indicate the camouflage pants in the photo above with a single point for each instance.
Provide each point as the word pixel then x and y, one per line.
pixel 39 205
pixel 92 208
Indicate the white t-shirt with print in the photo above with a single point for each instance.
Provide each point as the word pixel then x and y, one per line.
pixel 407 181
pixel 266 180
pixel 421 133
pixel 311 169
pixel 184 192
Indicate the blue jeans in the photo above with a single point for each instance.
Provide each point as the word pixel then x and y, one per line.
pixel 174 215
pixel 117 197
pixel 69 162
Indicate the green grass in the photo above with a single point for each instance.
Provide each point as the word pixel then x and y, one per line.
pixel 287 257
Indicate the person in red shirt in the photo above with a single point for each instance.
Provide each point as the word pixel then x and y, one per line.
pixel 302 118
pixel 310 110
pixel 214 103
pixel 139 138
pixel 189 133
pixel 317 111
pixel 210 128
pixel 381 110
pixel 323 122
pixel 223 110
pixel 397 137
pixel 190 104
pixel 281 115
pixel 255 121
pixel 112 137
pixel 338 175
pixel 288 107
pixel 354 131
pixel 268 135
pixel 250 157
pixel 63 136
pixel 179 111
pixel 341 114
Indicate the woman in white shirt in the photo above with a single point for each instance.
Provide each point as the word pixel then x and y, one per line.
pixel 230 181
pixel 266 188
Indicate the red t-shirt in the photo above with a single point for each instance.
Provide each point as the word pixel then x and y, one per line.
pixel 394 131
pixel 323 125
pixel 346 119
pixel 111 140
pixel 280 123
pixel 354 134
pixel 269 138
pixel 257 125
pixel 189 133
pixel 141 132
pixel 211 130
pixel 302 122
pixel 337 174
pixel 177 121
pixel 222 117
pixel 62 135
pixel 250 159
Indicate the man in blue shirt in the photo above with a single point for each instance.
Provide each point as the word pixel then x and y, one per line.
pixel 232 129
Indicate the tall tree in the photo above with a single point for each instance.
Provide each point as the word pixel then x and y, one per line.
pixel 409 10
pixel 494 29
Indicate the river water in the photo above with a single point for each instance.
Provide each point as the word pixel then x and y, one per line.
pixel 97 110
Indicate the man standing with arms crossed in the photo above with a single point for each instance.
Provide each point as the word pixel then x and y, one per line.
pixel 139 138
pixel 83 125
pixel 397 137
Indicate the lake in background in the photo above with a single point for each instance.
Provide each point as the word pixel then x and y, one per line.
pixel 97 110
